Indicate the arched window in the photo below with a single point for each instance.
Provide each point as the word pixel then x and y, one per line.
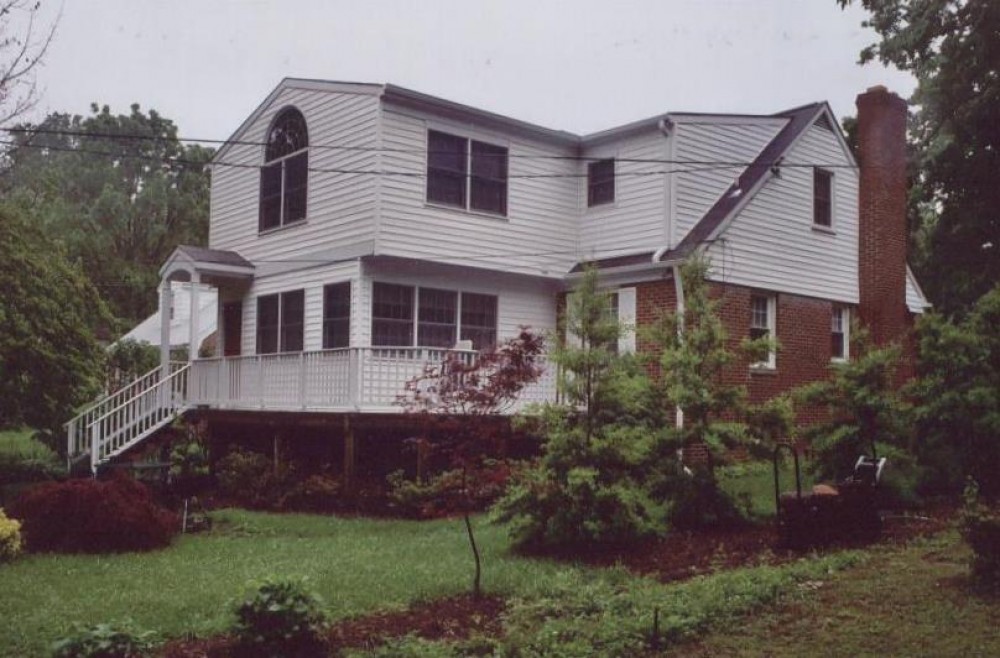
pixel 285 174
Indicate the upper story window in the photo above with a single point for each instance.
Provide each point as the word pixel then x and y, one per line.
pixel 284 176
pixel 762 325
pixel 840 328
pixel 822 198
pixel 466 173
pixel 600 182
pixel 281 322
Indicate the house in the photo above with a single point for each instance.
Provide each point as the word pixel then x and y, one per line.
pixel 359 231
pixel 179 337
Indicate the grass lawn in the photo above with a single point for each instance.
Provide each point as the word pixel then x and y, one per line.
pixel 913 601
pixel 355 564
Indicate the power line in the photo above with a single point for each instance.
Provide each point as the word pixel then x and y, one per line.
pixel 383 149
pixel 331 170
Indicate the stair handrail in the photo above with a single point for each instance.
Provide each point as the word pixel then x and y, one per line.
pixel 97 443
pixel 74 425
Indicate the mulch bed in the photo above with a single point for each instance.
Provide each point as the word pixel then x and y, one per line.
pixel 678 556
pixel 682 555
pixel 452 618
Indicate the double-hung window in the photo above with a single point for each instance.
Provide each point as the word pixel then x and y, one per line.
pixel 281 322
pixel 392 315
pixel 600 182
pixel 466 173
pixel 762 325
pixel 822 198
pixel 840 328
pixel 479 320
pixel 438 318
pixel 336 315
pixel 284 176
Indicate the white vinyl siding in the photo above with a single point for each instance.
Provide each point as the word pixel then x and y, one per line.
pixel 915 300
pixel 538 234
pixel 772 244
pixel 312 281
pixel 702 142
pixel 636 220
pixel 340 206
pixel 520 301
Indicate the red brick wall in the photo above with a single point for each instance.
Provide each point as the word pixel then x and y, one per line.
pixel 882 214
pixel 803 328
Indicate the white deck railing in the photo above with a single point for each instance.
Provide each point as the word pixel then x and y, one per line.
pixel 356 379
pixel 348 379
pixel 124 406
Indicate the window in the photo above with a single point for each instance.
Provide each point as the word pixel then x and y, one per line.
pixel 479 320
pixel 267 324
pixel 284 176
pixel 438 321
pixel 600 182
pixel 336 315
pixel 762 324
pixel 392 315
pixel 280 322
pixel 466 173
pixel 840 328
pixel 822 198
pixel 442 317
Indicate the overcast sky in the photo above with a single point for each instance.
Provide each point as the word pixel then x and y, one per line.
pixel 581 66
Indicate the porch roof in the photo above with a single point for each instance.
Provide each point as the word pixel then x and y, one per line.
pixel 207 262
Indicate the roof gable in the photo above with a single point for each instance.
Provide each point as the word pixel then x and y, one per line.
pixel 735 198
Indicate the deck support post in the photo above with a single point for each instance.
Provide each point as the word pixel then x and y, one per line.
pixel 350 454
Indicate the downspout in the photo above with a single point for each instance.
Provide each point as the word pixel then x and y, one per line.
pixel 679 291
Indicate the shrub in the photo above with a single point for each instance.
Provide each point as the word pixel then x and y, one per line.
pixel 698 502
pixel 317 493
pixel 585 491
pixel 104 641
pixel 10 538
pixel 449 492
pixel 981 531
pixel 93 516
pixel 246 477
pixel 189 460
pixel 23 458
pixel 280 618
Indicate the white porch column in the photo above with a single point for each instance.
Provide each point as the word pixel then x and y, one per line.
pixel 193 342
pixel 166 301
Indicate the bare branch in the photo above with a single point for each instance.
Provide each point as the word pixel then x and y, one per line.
pixel 20 56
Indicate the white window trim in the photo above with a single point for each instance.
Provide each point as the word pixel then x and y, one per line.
pixel 832 228
pixel 771 363
pixel 469 138
pixel 626 308
pixel 845 320
pixel 415 336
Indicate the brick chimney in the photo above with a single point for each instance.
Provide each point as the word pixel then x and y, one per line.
pixel 882 214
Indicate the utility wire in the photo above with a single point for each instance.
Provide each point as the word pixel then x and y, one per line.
pixel 332 170
pixel 421 152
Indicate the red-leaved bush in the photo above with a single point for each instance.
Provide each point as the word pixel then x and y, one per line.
pixel 93 516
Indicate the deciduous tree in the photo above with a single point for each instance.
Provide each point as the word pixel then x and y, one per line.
pixel 952 48
pixel 119 192
pixel 50 361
